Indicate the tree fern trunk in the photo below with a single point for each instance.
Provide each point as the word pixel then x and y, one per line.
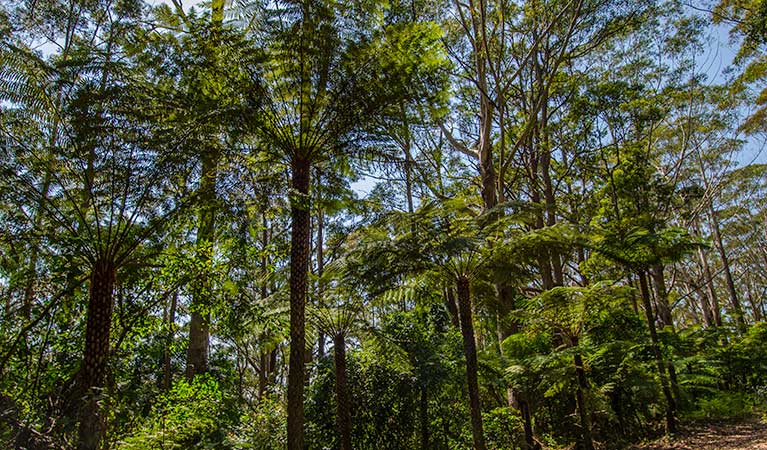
pixel 299 265
pixel 320 267
pixel 96 355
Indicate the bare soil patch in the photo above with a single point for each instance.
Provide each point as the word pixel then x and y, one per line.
pixel 748 434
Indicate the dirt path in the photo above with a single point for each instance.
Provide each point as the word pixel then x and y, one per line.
pixel 744 435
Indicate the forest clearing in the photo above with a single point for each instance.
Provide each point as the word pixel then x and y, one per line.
pixel 383 224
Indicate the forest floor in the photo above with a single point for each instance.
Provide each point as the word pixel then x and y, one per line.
pixel 748 434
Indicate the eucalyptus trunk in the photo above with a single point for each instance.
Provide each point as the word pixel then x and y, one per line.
pixel 544 154
pixel 199 325
pixel 452 307
pixel 543 257
pixel 265 358
pixel 170 334
pixel 263 373
pixel 710 305
pixel 755 306
pixel 660 363
pixel 267 365
pixel 661 296
pixel 470 351
pixel 737 309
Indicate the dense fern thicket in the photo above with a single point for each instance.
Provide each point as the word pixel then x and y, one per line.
pixel 379 224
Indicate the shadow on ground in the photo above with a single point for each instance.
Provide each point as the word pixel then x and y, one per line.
pixel 743 435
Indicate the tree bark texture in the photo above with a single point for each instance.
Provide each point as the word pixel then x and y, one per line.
pixel 263 362
pixel 170 334
pixel 710 304
pixel 478 11
pixel 661 296
pixel 737 310
pixel 527 417
pixel 96 354
pixel 544 150
pixel 199 326
pixel 755 306
pixel 320 267
pixel 199 333
pixel 661 365
pixel 299 266
pixel 470 351
pixel 544 257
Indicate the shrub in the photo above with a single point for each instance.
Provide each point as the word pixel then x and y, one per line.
pixel 190 415
pixel 262 428
pixel 503 430
pixel 724 405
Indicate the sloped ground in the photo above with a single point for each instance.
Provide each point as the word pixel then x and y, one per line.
pixel 750 434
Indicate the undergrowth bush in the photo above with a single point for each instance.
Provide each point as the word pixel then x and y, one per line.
pixel 261 428
pixel 191 415
pixel 724 405
pixel 503 430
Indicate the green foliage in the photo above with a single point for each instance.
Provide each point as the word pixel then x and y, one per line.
pixel 503 430
pixel 191 415
pixel 640 247
pixel 387 400
pixel 716 360
pixel 385 405
pixel 724 405
pixel 260 428
pixel 608 144
pixel 748 22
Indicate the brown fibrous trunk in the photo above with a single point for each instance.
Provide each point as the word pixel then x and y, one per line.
pixel 299 266
pixel 92 431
